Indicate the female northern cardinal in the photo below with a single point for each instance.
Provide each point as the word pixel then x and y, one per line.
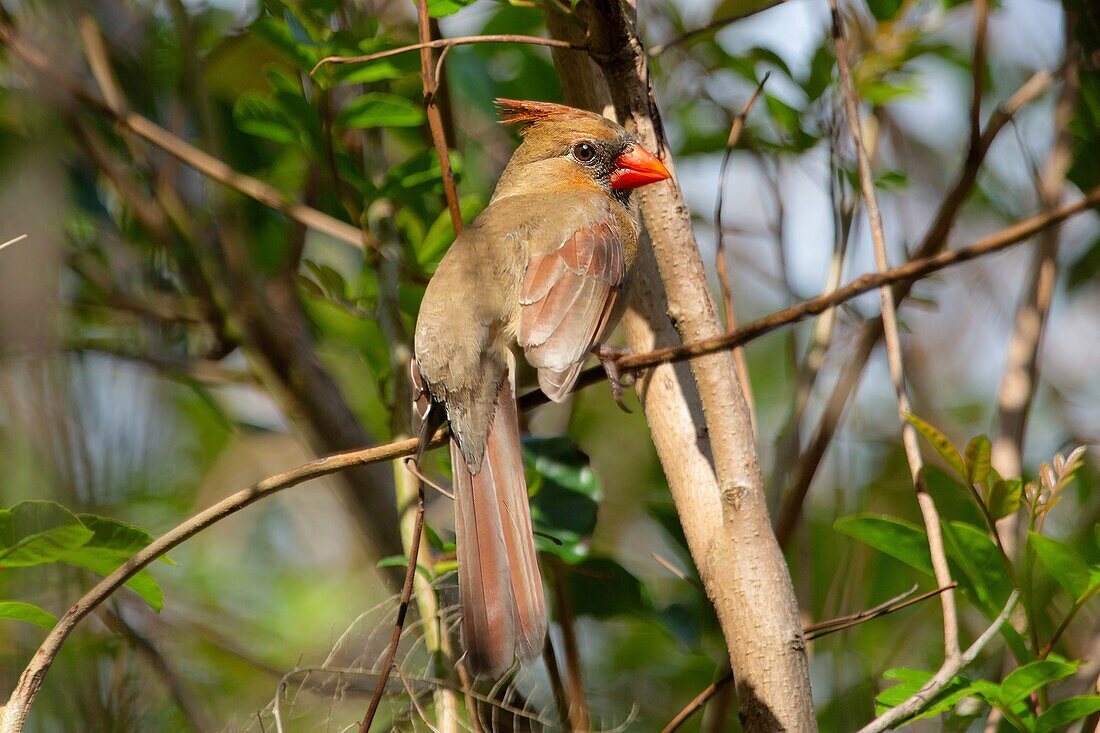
pixel 543 266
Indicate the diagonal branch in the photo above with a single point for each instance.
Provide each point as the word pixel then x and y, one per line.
pixel 943 676
pixel 893 348
pixel 446 43
pixel 934 240
pixel 435 119
pixel 13 714
pixel 183 151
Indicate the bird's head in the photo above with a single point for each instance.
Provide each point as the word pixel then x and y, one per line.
pixel 567 148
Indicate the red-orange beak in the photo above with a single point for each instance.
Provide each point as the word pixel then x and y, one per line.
pixel 636 167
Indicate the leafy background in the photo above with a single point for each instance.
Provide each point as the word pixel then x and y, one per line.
pixel 128 391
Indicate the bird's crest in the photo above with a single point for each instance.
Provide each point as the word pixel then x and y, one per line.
pixel 529 113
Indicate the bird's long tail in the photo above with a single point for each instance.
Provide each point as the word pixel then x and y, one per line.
pixel 503 607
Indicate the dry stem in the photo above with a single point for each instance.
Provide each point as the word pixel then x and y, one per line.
pixel 893 350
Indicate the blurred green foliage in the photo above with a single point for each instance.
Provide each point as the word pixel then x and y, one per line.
pixel 157 394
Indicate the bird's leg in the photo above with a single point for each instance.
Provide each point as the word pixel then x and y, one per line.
pixel 608 356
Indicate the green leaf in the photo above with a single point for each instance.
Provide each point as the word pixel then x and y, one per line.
pixel 895 537
pixel 974 552
pixel 402 561
pixel 113 543
pixel 940 442
pixel 1033 676
pixel 1064 563
pixel 36 532
pixel 442 231
pixel 442 8
pixel 568 496
pixel 602 588
pixel 257 115
pixel 378 109
pixel 884 9
pixel 977 458
pixel 31 614
pixel 278 36
pixel 910 682
pixel 1004 498
pixel 1066 711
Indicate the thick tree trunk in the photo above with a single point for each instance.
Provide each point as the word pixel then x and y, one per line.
pixel 697 415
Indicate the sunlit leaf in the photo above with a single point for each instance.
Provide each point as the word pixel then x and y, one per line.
pixel 1025 680
pixel 1067 711
pixel 379 109
pixel 973 551
pixel 36 532
pixel 27 612
pixel 940 442
pixel 977 457
pixel 442 8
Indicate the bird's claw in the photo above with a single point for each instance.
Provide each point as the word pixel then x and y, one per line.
pixel 608 356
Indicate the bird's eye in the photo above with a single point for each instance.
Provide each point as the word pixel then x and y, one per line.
pixel 584 152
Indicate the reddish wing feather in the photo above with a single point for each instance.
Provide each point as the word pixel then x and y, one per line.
pixel 566 300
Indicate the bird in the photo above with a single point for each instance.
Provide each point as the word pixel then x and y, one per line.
pixel 543 267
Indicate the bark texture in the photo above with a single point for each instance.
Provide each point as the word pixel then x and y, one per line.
pixel 697 413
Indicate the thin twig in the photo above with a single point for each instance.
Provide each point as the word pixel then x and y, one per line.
pixel 31 680
pixel 977 66
pixel 910 271
pixel 932 243
pixel 435 120
pixel 667 565
pixel 712 27
pixel 813 631
pixel 698 702
pixel 402 611
pixel 10 242
pixel 720 246
pixel 942 677
pixel 893 349
pixel 824 628
pixel 447 43
pixel 183 151
pixel 579 718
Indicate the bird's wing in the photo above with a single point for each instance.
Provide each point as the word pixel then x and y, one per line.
pixel 567 296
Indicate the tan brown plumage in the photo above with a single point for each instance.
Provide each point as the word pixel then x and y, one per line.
pixel 543 266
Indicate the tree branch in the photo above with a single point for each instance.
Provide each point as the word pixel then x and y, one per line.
pixel 446 43
pixel 435 120
pixel 893 349
pixel 934 240
pixel 942 677
pixel 13 714
pixel 183 151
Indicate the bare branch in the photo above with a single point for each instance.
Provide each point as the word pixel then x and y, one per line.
pixel 934 241
pixel 183 151
pixel 402 611
pixel 446 43
pixel 698 702
pixel 712 27
pixel 893 349
pixel 720 245
pixel 14 713
pixel 10 242
pixel 813 631
pixel 435 120
pixel 12 716
pixel 942 677
pixel 824 628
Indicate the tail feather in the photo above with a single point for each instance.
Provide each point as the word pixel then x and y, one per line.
pixel 503 607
